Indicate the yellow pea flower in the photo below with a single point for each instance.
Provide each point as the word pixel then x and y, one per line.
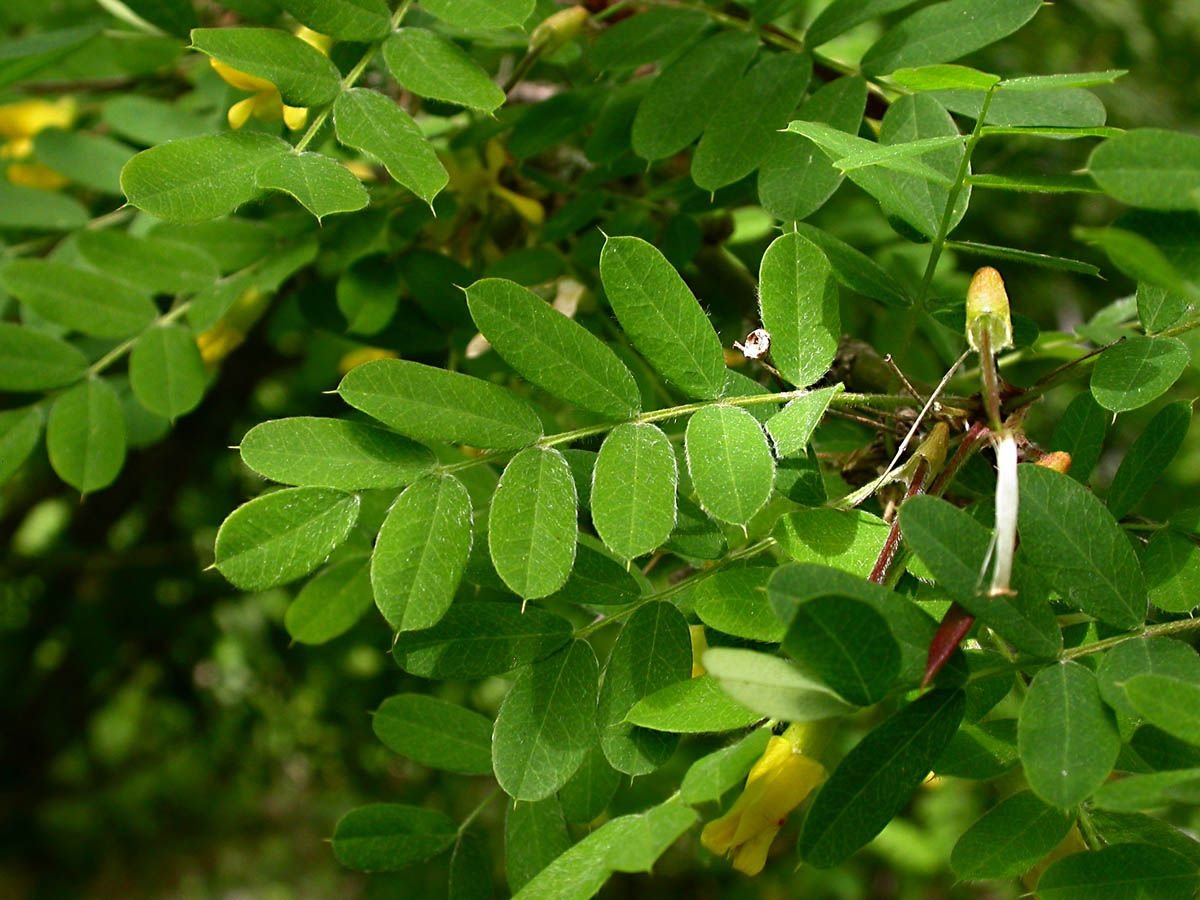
pixel 780 781
pixel 266 104
pixel 19 123
pixel 475 184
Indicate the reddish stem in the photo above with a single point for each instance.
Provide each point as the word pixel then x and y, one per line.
pixel 953 628
pixel 887 555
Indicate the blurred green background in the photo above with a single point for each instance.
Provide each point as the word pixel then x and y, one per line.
pixel 161 738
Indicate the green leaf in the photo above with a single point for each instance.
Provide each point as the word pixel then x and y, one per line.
pixel 1120 872
pixel 943 78
pixel 421 552
pixel 329 605
pixel 625 844
pixel 1149 456
pixel 78 299
pixel 981 752
pixel 691 707
pixel 730 463
pixel 653 650
pixel 303 74
pixel 346 20
pixel 791 586
pixel 321 185
pixel 1076 545
pixel 166 371
pixel 861 153
pixel 661 316
pixel 844 539
pixel 431 66
pixel 552 351
pixel 685 97
pixel 1060 109
pixel 900 156
pixel 856 270
pixel 1080 431
pixel 1066 736
pixel 316 452
pixel 798 302
pixel 916 199
pixel 842 15
pixel 1135 828
pixel 475 640
pixel 384 837
pixel 368 294
pixel 147 121
pixel 709 777
pixel 1041 260
pixel 434 405
pixel 26 55
pixel 20 431
pixel 535 834
pixel 846 645
pixel 85 435
pixel 1062 80
pixel 435 733
pixel 1137 371
pixel 956 548
pixel 531 525
pixel 1159 308
pixel 945 31
pixel 736 137
pixel 654 33
pixel 597 578
pixel 1173 704
pixel 1149 167
pixel 772 686
pixel 1010 838
pixel 91 160
pixel 148 263
pixel 696 536
pixel 1141 656
pixel 470 867
pixel 32 361
pixel 792 428
pixel 796 177
pixel 368 121
pixel 546 723
pixel 1171 563
pixel 1153 791
pixel 590 789
pixel 282 535
pixel 1037 184
pixel 874 781
pixel 734 601
pixel 200 178
pixel 633 490
pixel 35 210
pixel 1135 255
pixel 474 14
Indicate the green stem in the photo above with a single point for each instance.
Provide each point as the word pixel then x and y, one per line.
pixel 125 346
pixel 960 179
pixel 680 586
pixel 1166 628
pixel 884 401
pixel 352 77
pixel 474 814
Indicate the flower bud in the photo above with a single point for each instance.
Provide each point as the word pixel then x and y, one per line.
pixel 987 311
pixel 556 30
pixel 1059 461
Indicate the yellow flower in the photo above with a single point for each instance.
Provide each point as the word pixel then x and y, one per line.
pixel 266 104
pixel 779 782
pixel 19 124
pixel 474 183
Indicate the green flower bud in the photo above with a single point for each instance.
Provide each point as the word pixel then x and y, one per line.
pixel 556 30
pixel 987 311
